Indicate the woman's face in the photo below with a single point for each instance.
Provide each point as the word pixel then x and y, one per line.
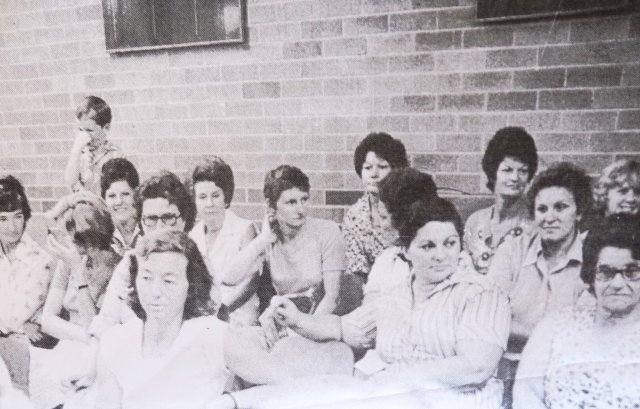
pixel 434 251
pixel 622 198
pixel 209 201
pixel 615 293
pixel 511 177
pixel 374 169
pixel 12 226
pixel 162 285
pixel 556 214
pixel 291 207
pixel 119 199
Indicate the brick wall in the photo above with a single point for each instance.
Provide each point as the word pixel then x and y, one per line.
pixel 314 78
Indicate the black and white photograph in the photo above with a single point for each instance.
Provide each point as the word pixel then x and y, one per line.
pixel 319 204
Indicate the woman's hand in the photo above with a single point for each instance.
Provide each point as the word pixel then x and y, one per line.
pixel 32 331
pixel 268 233
pixel 67 252
pixel 286 313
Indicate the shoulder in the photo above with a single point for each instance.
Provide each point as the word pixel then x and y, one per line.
pixel 479 216
pixel 235 222
pixel 357 210
pixel 323 226
pixel 120 336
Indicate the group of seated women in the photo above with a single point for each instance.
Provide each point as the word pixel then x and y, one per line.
pixel 157 295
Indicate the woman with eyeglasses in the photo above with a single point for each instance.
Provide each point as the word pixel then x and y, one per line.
pixel 587 356
pixel 510 162
pixel 86 264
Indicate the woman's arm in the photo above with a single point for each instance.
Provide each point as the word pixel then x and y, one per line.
pixel 108 391
pixel 331 281
pixel 246 262
pixel 333 264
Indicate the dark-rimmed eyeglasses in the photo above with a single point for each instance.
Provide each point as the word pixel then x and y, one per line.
pixel 168 219
pixel 607 273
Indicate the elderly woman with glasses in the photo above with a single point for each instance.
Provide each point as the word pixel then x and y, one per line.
pixel 587 356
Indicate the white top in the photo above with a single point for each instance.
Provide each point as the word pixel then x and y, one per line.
pixel 188 376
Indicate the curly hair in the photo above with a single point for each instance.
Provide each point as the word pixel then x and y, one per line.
pixel 215 170
pixel 116 170
pixel 514 142
pixel 13 197
pixel 94 108
pixel 615 175
pixel 568 176
pixel 401 189
pixel 198 302
pixel 167 185
pixel 384 146
pixel 620 231
pixel 422 212
pixel 282 178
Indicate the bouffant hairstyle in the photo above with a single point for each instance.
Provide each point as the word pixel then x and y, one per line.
pixel 116 170
pixel 13 197
pixel 198 302
pixel 282 178
pixel 384 146
pixel 403 187
pixel 568 176
pixel 87 219
pixel 167 185
pixel 422 212
pixel 613 176
pixel 620 231
pixel 514 142
pixel 94 108
pixel 215 170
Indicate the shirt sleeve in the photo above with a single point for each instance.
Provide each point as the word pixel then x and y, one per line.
pixel 486 316
pixel 115 299
pixel 333 257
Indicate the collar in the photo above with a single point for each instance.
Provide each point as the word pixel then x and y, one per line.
pixel 535 252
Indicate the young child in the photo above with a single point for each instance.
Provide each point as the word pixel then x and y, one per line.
pixel 91 148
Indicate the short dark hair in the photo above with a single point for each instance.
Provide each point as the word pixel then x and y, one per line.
pixel 384 146
pixel 92 226
pixel 403 187
pixel 511 141
pixel 116 170
pixel 198 302
pixel 215 170
pixel 620 231
pixel 568 176
pixel 422 212
pixel 282 178
pixel 13 197
pixel 94 108
pixel 167 185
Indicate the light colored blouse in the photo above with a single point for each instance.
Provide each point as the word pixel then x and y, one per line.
pixel 189 375
pixel 90 166
pixel 363 241
pixel 24 282
pixel 120 245
pixel 483 235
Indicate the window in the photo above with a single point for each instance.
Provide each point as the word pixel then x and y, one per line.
pixel 497 10
pixel 132 25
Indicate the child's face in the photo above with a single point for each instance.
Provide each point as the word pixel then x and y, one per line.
pixel 88 126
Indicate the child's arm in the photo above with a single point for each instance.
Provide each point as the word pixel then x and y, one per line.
pixel 72 170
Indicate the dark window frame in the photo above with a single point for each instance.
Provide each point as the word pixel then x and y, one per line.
pixel 509 10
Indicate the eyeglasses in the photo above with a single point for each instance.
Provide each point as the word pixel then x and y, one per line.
pixel 168 219
pixel 607 273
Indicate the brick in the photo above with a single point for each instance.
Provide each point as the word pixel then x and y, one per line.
pixel 56 101
pixel 470 163
pixel 270 33
pixel 366 25
pixel 434 4
pixel 344 124
pixel 594 76
pixel 269 89
pixel 339 161
pixel 329 143
pixel 511 58
pixel 418 21
pixel 512 101
pixel 302 49
pixel 345 86
pixel 243 108
pixel 432 123
pixel 458 143
pixel 456 18
pixel 345 46
pixel 539 78
pixel 486 81
pixel 631 76
pixel 411 63
pixel 629 120
pixel 89 13
pixel 100 81
pixel 435 162
pixel 306 161
pixel 241 72
pixel 388 124
pixel 342 197
pixel 561 142
pixel 591 163
pixel 486 123
pixel 536 121
pixel 565 99
pixel 599 30
pixel 301 88
pixel 33 133
pixel 382 6
pixel 321 29
pixel 334 8
pixel 261 14
pixel 554 32
pixel 591 53
pixel 634 27
pixel 460 182
pixel 488 37
pixel 617 98
pixel 458 61
pixel 440 40
pixel 295 11
pixel 588 121
pixel 393 44
pixel 202 75
pixel 462 102
pixel 616 142
pixel 262 126
pixel 413 103
pixel 283 143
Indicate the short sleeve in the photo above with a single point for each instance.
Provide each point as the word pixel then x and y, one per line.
pixel 333 257
pixel 486 316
